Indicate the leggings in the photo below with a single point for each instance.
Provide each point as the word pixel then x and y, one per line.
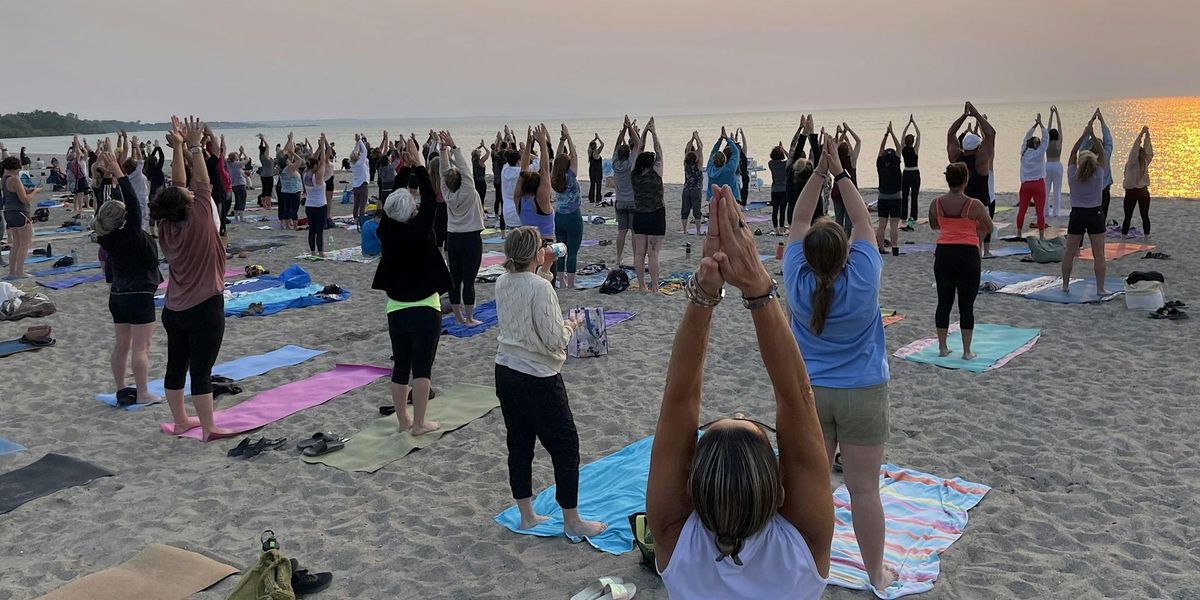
pixel 1139 197
pixel 464 252
pixel 193 340
pixel 778 209
pixel 956 270
pixel 595 191
pixel 910 189
pixel 536 408
pixel 481 189
pixel 414 332
pixel 239 198
pixel 360 201
pixel 498 207
pixel 1032 191
pixel 568 229
pixel 745 197
pixel 691 205
pixel 1054 175
pixel 268 186
pixel 1104 200
pixel 789 209
pixel 316 227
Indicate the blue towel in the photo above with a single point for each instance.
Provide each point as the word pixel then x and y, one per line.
pixel 993 345
pixel 241 286
pixel 15 346
pixel 587 282
pixel 1010 250
pixel 33 260
pixel 7 447
pixel 494 240
pixel 279 299
pixel 1083 292
pixel 47 203
pixel 237 370
pixel 484 313
pixel 610 490
pixel 64 270
pixel 70 282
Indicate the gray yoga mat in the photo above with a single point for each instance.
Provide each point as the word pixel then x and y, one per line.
pixel 51 473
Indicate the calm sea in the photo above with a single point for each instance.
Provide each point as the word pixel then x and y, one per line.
pixel 1174 124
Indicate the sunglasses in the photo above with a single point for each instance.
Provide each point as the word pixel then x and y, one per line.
pixel 759 424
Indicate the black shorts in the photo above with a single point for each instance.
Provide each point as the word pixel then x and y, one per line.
pixel 329 184
pixel 16 218
pixel 132 308
pixel 890 208
pixel 81 186
pixel 1086 220
pixel 650 223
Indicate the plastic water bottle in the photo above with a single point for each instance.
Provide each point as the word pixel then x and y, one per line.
pixel 779 251
pixel 74 257
pixel 687 249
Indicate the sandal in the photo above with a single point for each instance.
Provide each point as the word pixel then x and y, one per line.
pixel 314 439
pixel 1157 255
pixel 1175 304
pixel 1173 314
pixel 325 446
pixel 597 588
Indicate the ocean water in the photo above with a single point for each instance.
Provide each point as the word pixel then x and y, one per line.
pixel 1174 125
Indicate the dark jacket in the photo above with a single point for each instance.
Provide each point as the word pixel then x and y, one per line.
pixel 132 264
pixel 412 267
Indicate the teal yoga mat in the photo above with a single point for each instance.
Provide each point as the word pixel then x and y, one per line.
pixel 993 345
pixel 7 447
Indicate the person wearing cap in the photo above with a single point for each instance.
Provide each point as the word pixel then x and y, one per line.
pixel 976 150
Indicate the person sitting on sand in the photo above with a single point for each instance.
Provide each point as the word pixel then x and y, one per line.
pixel 132 271
pixel 1085 175
pixel 767 520
pixel 532 192
pixel 368 233
pixel 959 219
pixel 976 150
pixel 1033 177
pixel 649 212
pixel 891 199
pixel 464 224
pixel 1137 182
pixel 194 313
pixel 568 220
pixel 832 281
pixel 16 202
pixel 529 357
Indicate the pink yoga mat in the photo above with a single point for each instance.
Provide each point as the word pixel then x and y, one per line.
pixel 275 404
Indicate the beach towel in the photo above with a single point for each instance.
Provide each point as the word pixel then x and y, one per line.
pixel 381 442
pixel 51 473
pixel 492 259
pixel 994 346
pixel 1114 233
pixel 1001 279
pixel 157 573
pixel 64 270
pixel 58 231
pixel 7 447
pixel 70 282
pixel 237 370
pixel 33 260
pixel 924 514
pixel 277 299
pixel 484 313
pixel 494 240
pixel 353 254
pixel 1115 251
pixel 290 398
pixel 588 282
pixel 892 319
pixel 1083 292
pixel 1009 251
pixel 917 248
pixel 14 346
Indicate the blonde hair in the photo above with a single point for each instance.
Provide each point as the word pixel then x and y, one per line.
pixel 1088 163
pixel 734 486
pixel 400 205
pixel 520 248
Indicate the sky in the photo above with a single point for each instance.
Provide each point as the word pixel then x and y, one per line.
pixel 270 60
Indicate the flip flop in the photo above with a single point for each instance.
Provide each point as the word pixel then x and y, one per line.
pixel 837 462
pixel 1175 304
pixel 263 444
pixel 619 591
pixel 320 436
pixel 325 447
pixel 597 588
pixel 240 448
pixel 1170 313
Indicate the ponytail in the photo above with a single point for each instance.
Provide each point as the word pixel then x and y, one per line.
pixel 822 299
pixel 825 249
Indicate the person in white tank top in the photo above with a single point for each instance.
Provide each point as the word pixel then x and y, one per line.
pixel 737 522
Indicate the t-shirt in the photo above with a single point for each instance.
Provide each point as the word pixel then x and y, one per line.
pixel 778 175
pixel 360 171
pixel 1086 194
pixel 370 238
pixel 236 173
pixel 194 252
pixel 622 169
pixel 508 183
pixel 850 352
pixel 647 191
pixel 567 201
pixel 141 187
pixel 888 167
pixel 693 178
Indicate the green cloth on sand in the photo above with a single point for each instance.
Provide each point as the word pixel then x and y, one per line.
pixel 380 443
pixel 270 579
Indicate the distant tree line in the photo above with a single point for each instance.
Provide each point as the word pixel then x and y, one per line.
pixel 47 123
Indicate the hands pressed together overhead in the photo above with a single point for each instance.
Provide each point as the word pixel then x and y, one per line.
pixel 730 252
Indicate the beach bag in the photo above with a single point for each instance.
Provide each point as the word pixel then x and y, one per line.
pixel 616 282
pixel 591 338
pixel 643 539
pixel 1046 251
pixel 269 579
pixel 1144 294
pixel 294 277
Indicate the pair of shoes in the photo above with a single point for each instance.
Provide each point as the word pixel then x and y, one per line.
pixel 304 582
pixel 248 449
pixel 1170 313
pixel 321 443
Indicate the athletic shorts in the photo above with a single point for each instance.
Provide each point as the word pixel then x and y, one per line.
pixel 624 218
pixel 650 223
pixel 890 208
pixel 81 186
pixel 132 308
pixel 16 218
pixel 329 184
pixel 1086 220
pixel 855 416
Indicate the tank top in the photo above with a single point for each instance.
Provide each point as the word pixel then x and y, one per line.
pixel 647 191
pixel 532 217
pixel 977 185
pixel 1054 150
pixel 567 201
pixel 960 230
pixel 910 157
pixel 314 191
pixel 595 167
pixel 693 178
pixel 479 172
pixel 290 184
pixel 776 563
pixel 11 201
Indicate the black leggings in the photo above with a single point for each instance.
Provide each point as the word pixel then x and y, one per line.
pixel 268 186
pixel 537 408
pixel 1104 201
pixel 1139 197
pixel 464 251
pixel 498 205
pixel 778 209
pixel 414 333
pixel 595 191
pixel 193 340
pixel 481 189
pixel 910 187
pixel 956 270
pixel 316 227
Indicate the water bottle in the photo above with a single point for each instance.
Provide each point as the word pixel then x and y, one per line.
pixel 687 249
pixel 779 251
pixel 74 257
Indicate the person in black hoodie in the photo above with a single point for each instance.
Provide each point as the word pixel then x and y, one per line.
pixel 414 275
pixel 132 271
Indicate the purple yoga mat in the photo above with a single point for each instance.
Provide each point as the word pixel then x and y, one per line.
pixel 613 317
pixel 275 404
pixel 69 282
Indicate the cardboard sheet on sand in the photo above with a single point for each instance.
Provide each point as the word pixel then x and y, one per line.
pixel 157 573
pixel 51 473
pixel 381 442
pixel 1115 251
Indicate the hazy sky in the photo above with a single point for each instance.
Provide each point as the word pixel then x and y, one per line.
pixel 301 59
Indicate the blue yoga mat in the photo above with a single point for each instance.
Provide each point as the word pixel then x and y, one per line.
pixel 494 240
pixel 587 282
pixel 279 299
pixel 990 343
pixel 484 313
pixel 33 260
pixel 1083 292
pixel 64 270
pixel 70 282
pixel 610 490
pixel 7 447
pixel 15 346
pixel 241 286
pixel 237 370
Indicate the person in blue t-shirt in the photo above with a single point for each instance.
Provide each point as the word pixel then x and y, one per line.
pixel 370 239
pixel 723 166
pixel 832 285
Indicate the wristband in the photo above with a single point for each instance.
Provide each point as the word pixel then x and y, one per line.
pixel 699 297
pixel 840 176
pixel 758 302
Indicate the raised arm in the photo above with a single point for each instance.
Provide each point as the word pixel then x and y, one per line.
pixel 192 132
pixel 851 198
pixel 797 139
pixel 571 149
pixel 525 150
pixel 953 146
pixel 1106 134
pixel 806 204
pixel 1147 146
pixel 857 146
pixel 1087 134
pixel 545 193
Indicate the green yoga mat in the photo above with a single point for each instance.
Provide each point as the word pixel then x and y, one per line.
pixel 380 443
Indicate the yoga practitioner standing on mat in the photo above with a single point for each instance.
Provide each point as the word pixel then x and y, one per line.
pixel 290 186
pixel 649 212
pixel 778 167
pixel 800 168
pixel 235 165
pixel 131 269
pixel 194 312
pixel 1085 174
pixel 1033 178
pixel 959 219
pixel 832 286
pixel 533 194
pixel 1137 182
pixel 413 274
pixel 1054 168
pixel 316 205
pixel 479 160
pixel 890 207
pixel 595 170
pixel 768 520
pixel 976 150
pixel 266 173
pixel 529 358
pixel 723 164
pixel 693 182
pixel 568 221
pixel 911 181
pixel 16 202
pixel 360 176
pixel 622 166
pixel 848 155
pixel 464 222
pixel 743 164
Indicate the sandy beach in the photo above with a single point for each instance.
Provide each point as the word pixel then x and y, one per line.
pixel 1088 440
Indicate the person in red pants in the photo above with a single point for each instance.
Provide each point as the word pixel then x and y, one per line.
pixel 1033 177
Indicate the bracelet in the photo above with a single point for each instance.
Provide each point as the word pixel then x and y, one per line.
pixel 845 174
pixel 699 297
pixel 758 302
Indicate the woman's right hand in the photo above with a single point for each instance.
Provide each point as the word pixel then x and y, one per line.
pixel 738 258
pixel 833 162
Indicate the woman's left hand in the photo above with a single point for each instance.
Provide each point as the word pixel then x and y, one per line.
pixel 738 259
pixel 708 275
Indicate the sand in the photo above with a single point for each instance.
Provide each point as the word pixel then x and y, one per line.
pixel 1088 440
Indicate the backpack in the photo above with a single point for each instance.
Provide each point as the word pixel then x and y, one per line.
pixel 616 282
pixel 1046 251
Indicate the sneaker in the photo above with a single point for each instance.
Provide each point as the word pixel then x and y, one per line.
pixel 304 583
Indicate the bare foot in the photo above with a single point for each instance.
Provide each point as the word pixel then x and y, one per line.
pixel 218 433
pixel 968 356
pixel 459 321
pixel 424 428
pixel 583 528
pixel 537 520
pixel 182 428
pixel 988 254
pixel 885 579
pixel 405 420
pixel 943 351
pixel 1101 292
pixel 473 323
pixel 1066 286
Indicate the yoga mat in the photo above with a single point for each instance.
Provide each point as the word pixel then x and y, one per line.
pixel 157 573
pixel 892 319
pixel 587 282
pixel 994 346
pixel 1003 279
pixel 288 399
pixel 278 299
pixel 237 370
pixel 353 254
pixel 70 282
pixel 33 260
pixel 7 447
pixel 1009 251
pixel 589 243
pixel 60 230
pixel 491 259
pixel 381 442
pixel 259 244
pixel 493 240
pixel 1115 251
pixel 14 346
pixel 484 313
pixel 924 514
pixel 64 270
pixel 614 317
pixel 1083 292
pixel 916 248
pixel 51 473
pixel 1114 233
